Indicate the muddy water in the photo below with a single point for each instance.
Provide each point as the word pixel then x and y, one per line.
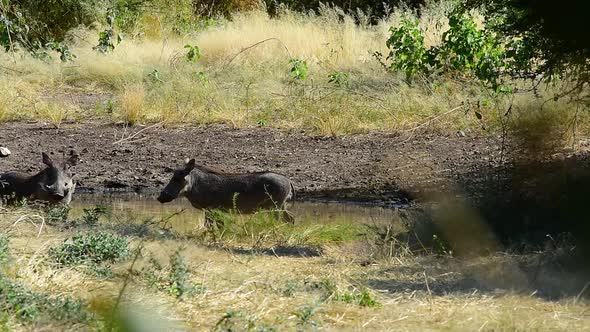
pixel 186 218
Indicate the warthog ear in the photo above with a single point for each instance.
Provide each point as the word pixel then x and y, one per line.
pixel 47 159
pixel 190 164
pixel 72 160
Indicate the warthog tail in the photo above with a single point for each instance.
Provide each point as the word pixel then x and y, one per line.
pixel 292 194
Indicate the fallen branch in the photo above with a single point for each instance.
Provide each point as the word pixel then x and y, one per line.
pixel 254 45
pixel 434 118
pixel 412 130
pixel 130 137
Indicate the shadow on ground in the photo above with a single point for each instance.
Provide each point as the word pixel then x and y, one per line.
pixel 278 251
pixel 549 276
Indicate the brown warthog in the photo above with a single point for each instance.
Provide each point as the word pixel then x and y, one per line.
pixel 53 184
pixel 207 188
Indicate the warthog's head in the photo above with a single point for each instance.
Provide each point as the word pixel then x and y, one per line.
pixel 55 182
pixel 179 184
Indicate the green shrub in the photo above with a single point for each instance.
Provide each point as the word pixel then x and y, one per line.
pixel 93 248
pixel 36 25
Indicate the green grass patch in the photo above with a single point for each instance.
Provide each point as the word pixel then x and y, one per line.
pixel 264 228
pixel 28 306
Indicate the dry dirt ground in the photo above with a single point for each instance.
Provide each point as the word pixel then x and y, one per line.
pixel 377 167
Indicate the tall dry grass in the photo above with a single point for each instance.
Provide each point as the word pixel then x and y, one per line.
pixel 243 77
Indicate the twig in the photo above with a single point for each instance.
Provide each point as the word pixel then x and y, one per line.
pixel 434 118
pixel 9 36
pixel 11 69
pixel 28 218
pixel 254 45
pixel 413 130
pixel 128 138
pixel 581 292
pixel 427 286
pixel 125 283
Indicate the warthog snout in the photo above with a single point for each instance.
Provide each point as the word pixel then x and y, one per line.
pixel 165 197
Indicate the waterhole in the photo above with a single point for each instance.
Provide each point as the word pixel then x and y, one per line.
pixel 182 217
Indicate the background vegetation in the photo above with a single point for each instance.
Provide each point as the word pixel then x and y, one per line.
pixel 333 71
pixel 503 68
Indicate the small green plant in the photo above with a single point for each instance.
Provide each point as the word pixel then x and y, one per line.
pixel 469 49
pixel 362 298
pixel 91 248
pixel 154 76
pixel 107 106
pixel 261 122
pixel 305 316
pixel 92 215
pixel 193 54
pixel 99 271
pixel 175 279
pixel 57 214
pixel 298 68
pixel 289 289
pixel 179 275
pixel 326 286
pixel 339 78
pixel 4 248
pixel 202 77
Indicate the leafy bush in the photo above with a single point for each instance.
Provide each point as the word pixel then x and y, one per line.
pixel 35 25
pixel 552 35
pixel 407 51
pixel 465 50
pixel 90 248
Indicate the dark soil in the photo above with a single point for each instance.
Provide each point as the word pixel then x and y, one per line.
pixel 524 199
pixel 377 167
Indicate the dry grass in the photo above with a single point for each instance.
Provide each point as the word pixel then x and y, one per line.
pixel 288 293
pixel 243 79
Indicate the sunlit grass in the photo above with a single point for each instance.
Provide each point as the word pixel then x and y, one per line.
pixel 266 290
pixel 243 79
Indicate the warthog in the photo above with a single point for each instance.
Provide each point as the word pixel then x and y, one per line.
pixel 207 188
pixel 53 184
